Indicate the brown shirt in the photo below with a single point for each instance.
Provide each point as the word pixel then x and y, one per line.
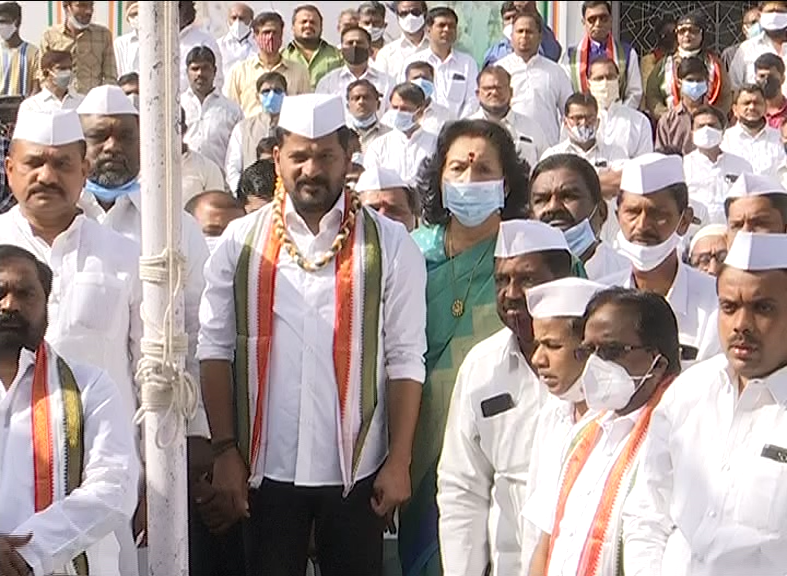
pixel 241 86
pixel 673 132
pixel 91 50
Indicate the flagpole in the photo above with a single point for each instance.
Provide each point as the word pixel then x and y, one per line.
pixel 164 387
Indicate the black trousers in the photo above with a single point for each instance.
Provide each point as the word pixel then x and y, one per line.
pixel 211 555
pixel 348 534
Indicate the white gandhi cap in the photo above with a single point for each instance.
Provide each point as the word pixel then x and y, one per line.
pixel 749 184
pixel 757 252
pixel 312 115
pixel 520 237
pixel 107 101
pixel 379 178
pixel 48 128
pixel 707 232
pixel 567 297
pixel 651 173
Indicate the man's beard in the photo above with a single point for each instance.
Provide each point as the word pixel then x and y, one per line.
pixel 309 43
pixel 109 176
pixel 17 333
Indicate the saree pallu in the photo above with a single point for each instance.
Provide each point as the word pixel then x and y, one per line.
pixel 449 340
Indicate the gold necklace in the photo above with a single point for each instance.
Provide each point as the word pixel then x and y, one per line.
pixel 458 305
pixel 338 243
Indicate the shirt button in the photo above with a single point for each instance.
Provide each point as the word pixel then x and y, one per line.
pixel 712 514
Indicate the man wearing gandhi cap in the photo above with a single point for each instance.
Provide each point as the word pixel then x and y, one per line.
pixel 96 293
pixel 711 496
pixel 384 190
pixel 756 203
pixel 319 306
pixel 557 309
pixel 708 249
pixel 494 408
pixel 654 213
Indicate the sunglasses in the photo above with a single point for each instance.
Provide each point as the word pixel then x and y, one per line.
pixel 610 351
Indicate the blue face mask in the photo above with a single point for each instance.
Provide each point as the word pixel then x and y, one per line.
pixel 271 101
pixel 580 237
pixel 426 85
pixel 754 30
pixel 111 194
pixel 694 90
pixel 471 203
pixel 364 123
pixel 402 120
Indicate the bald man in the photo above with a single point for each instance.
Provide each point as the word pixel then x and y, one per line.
pixel 238 43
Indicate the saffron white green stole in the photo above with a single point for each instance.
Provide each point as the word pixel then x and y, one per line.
pixel 58 436
pixel 356 345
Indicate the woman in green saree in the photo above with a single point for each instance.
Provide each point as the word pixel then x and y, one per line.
pixel 475 181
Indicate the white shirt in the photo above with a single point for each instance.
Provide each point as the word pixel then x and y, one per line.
pixel 302 395
pixel 125 218
pixel 583 500
pixel 94 269
pixel 46 101
pixel 394 150
pixel 391 57
pixel 764 151
pixel 710 181
pixel 742 65
pixel 693 300
pixel 530 140
pixel 486 458
pixel 435 117
pixel 127 53
pixel 336 82
pixel 199 174
pixel 107 497
pixel 191 37
pixel 702 470
pixel 454 80
pixel 626 128
pixel 234 51
pixel 606 262
pixel 601 156
pixel 234 163
pixel 540 89
pixel 210 123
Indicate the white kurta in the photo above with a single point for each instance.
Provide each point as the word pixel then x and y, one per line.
pixel 46 101
pixel 401 154
pixel 529 138
pixel 302 394
pixel 693 300
pixel 336 82
pixel 605 262
pixel 234 51
pixel 127 53
pixel 454 80
pixel 210 123
pixel 199 174
pixel 764 151
pixel 703 471
pixel 435 117
pixel 742 65
pixel 485 459
pixel 710 181
pixel 87 518
pixel 125 218
pixel 601 155
pixel 391 57
pixel 627 128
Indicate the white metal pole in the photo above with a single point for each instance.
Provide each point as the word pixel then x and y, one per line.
pixel 161 272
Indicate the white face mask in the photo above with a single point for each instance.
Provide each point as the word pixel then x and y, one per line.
pixel 773 21
pixel 239 29
pixel 608 386
pixel 582 134
pixel 7 30
pixel 707 137
pixel 76 24
pixel 62 78
pixel 575 394
pixel 508 31
pixel 411 24
pixel 605 92
pixel 133 21
pixel 646 258
pixel 687 53
pixel 375 33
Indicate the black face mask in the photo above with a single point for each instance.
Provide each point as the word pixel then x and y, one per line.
pixel 770 87
pixel 355 55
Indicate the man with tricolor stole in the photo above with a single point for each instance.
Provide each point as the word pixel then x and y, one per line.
pixel 67 450
pixel 311 346
pixel 631 352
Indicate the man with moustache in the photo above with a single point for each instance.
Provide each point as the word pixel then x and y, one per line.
pixel 710 496
pixel 493 413
pixel 67 435
pixel 755 203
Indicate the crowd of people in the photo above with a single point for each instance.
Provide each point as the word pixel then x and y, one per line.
pixel 546 300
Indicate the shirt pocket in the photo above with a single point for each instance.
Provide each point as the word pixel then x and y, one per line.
pixel 457 86
pixel 95 303
pixel 761 501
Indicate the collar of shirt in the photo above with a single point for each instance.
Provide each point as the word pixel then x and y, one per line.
pixel 93 210
pixel 422 45
pixel 369 74
pixel 776 383
pixel 228 38
pixel 746 135
pixel 678 295
pixel 189 93
pixel 597 148
pixel 512 354
pixel 696 155
pixel 293 47
pixel 27 359
pixel 24 226
pixel 67 31
pixel 610 422
pixel 779 113
pixel 258 64
pixel 333 218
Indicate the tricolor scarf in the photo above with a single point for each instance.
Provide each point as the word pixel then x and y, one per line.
pixel 579 63
pixel 614 494
pixel 671 85
pixel 359 289
pixel 58 435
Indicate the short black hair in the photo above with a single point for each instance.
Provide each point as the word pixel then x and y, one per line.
pixel 52 57
pixel 258 180
pixel 603 59
pixel 769 61
pixel 265 146
pixel 356 28
pixel 440 12
pixel 584 99
pixel 515 173
pixel 201 54
pixel 376 8
pixel 13 10
pixel 272 78
pixel 264 17
pixel 654 320
pixel 424 7
pixel 507 7
pixel 11 252
pixel 228 200
pixel 363 82
pixel 306 7
pixel 747 89
pixel 129 78
pixel 575 164
pixel 533 15
pixel 497 71
pixel 707 109
pixel 695 19
pixel 418 65
pixel 778 201
pixel 409 92
pixel 594 4
pixel 692 65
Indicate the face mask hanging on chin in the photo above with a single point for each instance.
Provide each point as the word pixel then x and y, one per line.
pixel 647 258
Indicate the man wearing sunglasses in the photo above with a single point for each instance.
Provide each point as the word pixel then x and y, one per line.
pixel 494 409
pixel 654 214
pixel 631 353
pixel 710 496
